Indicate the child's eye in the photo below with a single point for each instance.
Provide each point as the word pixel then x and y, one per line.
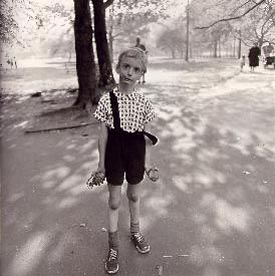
pixel 137 70
pixel 125 66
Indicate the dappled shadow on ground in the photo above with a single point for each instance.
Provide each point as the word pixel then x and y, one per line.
pixel 218 192
pixel 212 212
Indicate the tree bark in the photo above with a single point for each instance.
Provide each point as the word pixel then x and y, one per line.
pixel 187 31
pixel 105 66
pixel 234 47
pixel 219 47
pixel 85 64
pixel 240 48
pixel 215 49
pixel 110 35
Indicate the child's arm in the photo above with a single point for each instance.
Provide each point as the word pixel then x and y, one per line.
pixel 102 141
pixel 151 171
pixel 148 144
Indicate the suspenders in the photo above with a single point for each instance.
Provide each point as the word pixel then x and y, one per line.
pixel 114 104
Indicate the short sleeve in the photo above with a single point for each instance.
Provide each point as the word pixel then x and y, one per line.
pixel 148 112
pixel 101 111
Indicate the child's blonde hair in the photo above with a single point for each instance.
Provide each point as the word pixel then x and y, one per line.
pixel 134 52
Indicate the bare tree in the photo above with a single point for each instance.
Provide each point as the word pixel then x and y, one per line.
pixel 234 17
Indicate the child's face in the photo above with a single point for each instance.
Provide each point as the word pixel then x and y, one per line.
pixel 129 70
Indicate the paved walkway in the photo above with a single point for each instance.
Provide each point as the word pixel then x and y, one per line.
pixel 211 214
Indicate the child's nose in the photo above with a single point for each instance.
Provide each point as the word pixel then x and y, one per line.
pixel 130 71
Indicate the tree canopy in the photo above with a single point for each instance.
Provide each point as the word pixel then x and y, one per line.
pixel 252 21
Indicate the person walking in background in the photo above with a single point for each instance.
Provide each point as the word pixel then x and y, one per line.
pixel 242 63
pixel 124 149
pixel 143 48
pixel 15 63
pixel 267 50
pixel 253 56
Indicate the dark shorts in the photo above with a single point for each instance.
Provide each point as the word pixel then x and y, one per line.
pixel 125 156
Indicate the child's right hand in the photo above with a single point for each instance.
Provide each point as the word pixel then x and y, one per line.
pixel 96 179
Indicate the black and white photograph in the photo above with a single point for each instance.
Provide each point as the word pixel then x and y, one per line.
pixel 137 137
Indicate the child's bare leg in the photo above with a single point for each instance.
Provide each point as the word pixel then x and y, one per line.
pixel 133 194
pixel 114 204
pixel 113 213
pixel 112 265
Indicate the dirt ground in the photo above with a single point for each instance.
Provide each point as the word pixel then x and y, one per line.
pixel 211 214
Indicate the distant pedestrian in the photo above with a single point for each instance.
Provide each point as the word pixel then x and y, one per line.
pixel 267 50
pixel 124 148
pixel 15 63
pixel 242 62
pixel 143 48
pixel 253 56
pixel 10 62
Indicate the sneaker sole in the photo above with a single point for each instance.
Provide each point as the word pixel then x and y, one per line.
pixel 111 272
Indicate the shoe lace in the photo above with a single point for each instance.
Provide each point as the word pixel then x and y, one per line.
pixel 112 254
pixel 139 238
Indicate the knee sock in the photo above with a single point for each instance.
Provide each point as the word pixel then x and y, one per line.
pixel 134 227
pixel 113 240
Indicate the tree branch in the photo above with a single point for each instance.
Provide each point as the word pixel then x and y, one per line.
pixel 240 7
pixel 231 18
pixel 108 3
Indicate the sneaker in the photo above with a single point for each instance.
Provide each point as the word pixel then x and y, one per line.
pixel 140 243
pixel 111 264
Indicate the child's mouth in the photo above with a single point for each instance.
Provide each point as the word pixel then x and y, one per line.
pixel 126 79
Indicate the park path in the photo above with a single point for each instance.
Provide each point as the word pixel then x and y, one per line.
pixel 211 214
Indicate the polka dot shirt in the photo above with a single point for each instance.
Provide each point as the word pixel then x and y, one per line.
pixel 135 110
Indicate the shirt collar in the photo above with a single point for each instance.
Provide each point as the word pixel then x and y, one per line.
pixel 120 94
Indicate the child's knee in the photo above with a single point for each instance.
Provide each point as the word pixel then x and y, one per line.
pixel 114 203
pixel 132 196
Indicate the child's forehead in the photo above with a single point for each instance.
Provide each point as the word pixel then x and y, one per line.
pixel 131 59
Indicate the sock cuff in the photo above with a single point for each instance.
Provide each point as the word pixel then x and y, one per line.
pixel 113 239
pixel 134 227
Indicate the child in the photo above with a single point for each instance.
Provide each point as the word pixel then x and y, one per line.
pixel 242 63
pixel 123 149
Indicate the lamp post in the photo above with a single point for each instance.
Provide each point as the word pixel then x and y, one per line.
pixel 187 32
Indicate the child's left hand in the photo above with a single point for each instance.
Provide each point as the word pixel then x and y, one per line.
pixel 152 173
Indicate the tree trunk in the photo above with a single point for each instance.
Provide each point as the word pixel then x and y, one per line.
pixel 234 47
pixel 220 50
pixel 110 35
pixel 85 64
pixel 187 31
pixel 215 48
pixel 173 53
pixel 102 48
pixel 111 46
pixel 240 48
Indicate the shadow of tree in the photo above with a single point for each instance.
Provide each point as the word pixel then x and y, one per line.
pixel 212 211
